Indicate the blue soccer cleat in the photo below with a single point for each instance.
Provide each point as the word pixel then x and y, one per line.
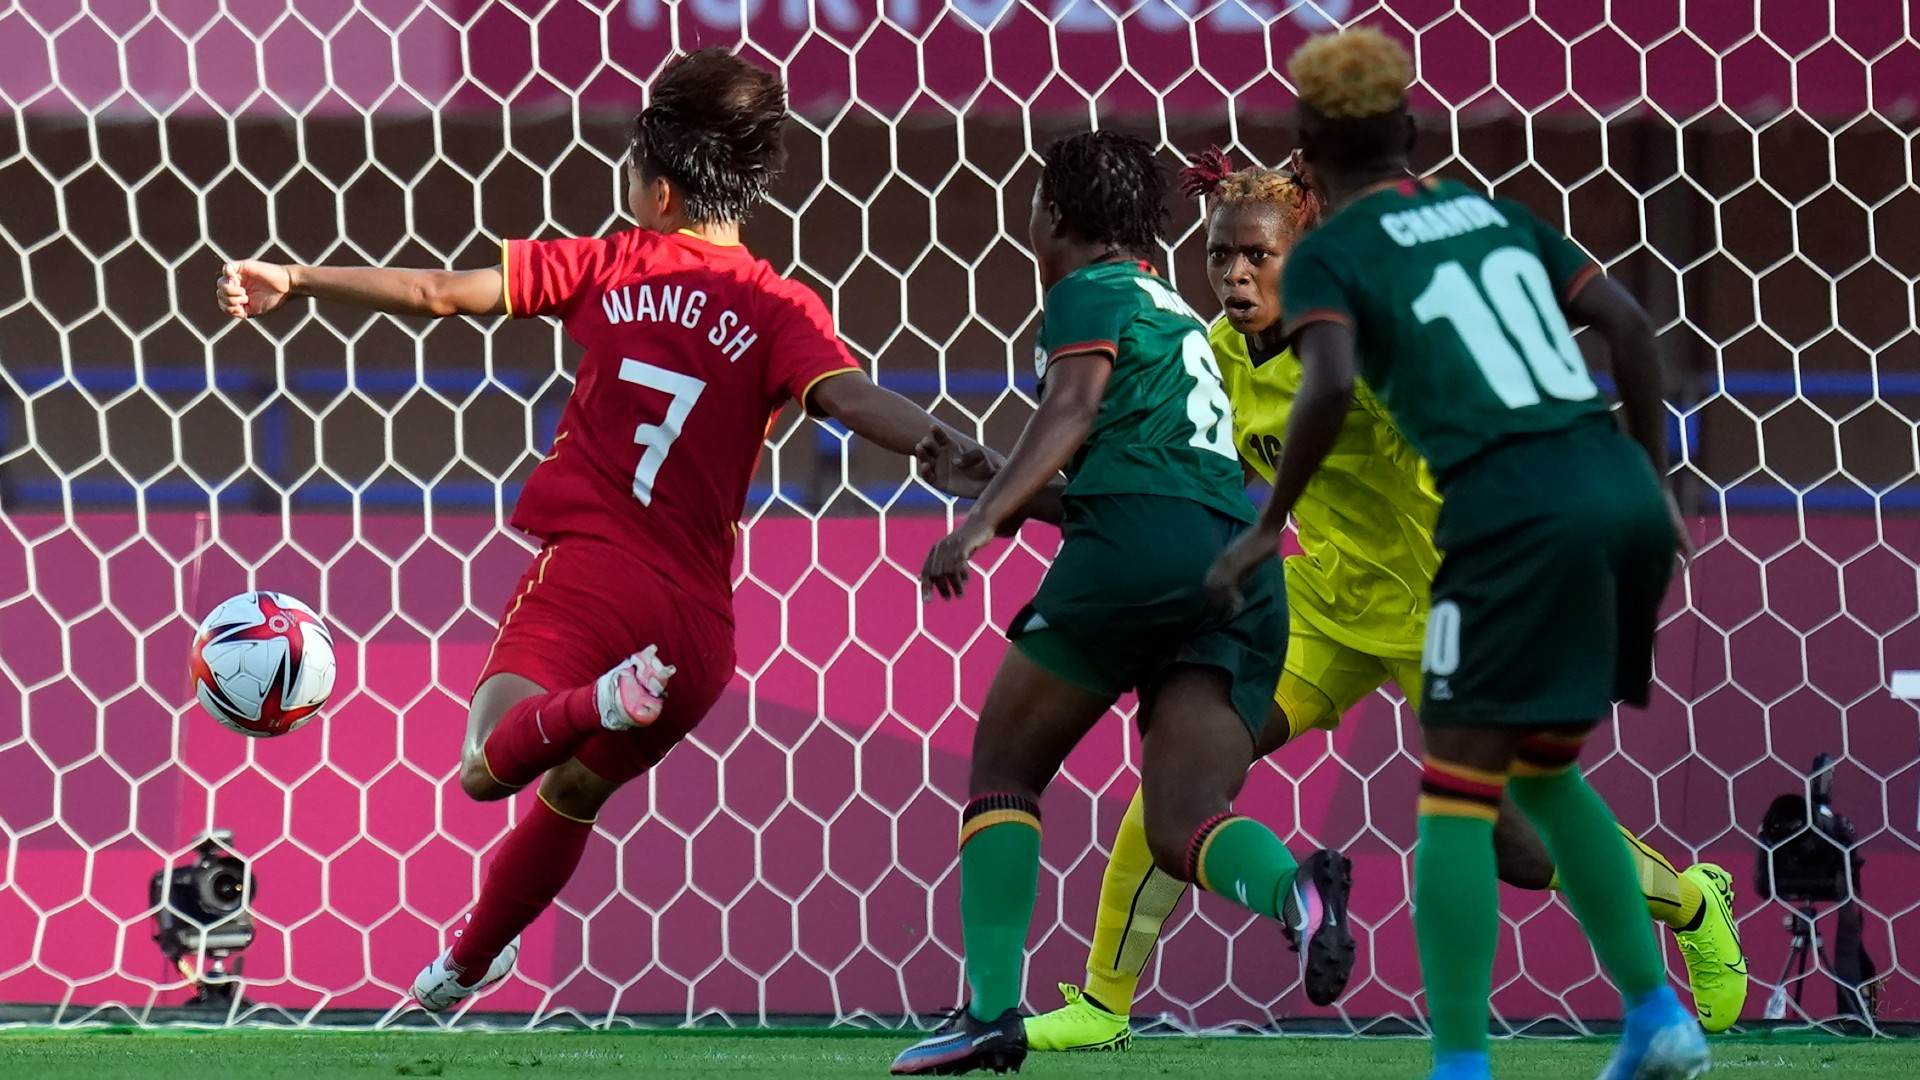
pixel 1461 1065
pixel 1662 1041
pixel 963 1044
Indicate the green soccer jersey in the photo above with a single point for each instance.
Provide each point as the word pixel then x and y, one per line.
pixel 1455 304
pixel 1165 426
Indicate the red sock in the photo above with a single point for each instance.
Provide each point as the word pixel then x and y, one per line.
pixel 534 863
pixel 540 732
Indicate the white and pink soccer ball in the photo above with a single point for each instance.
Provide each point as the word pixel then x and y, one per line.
pixel 262 663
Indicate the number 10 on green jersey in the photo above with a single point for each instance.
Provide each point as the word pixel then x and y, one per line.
pixel 1455 304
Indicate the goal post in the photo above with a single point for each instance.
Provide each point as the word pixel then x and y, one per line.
pixel 1748 170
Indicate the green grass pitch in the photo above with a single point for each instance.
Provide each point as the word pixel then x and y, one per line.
pixel 115 1053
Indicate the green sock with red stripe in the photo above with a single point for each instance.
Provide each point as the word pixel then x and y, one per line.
pixel 1596 871
pixel 999 882
pixel 1243 860
pixel 1456 902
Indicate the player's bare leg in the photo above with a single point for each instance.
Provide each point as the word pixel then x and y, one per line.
pixel 1192 766
pixel 532 864
pixel 1031 720
pixel 517 730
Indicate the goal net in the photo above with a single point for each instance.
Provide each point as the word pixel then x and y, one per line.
pixel 1747 169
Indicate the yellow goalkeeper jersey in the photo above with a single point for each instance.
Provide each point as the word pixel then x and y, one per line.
pixel 1365 521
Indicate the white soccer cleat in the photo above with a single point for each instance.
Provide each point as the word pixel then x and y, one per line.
pixel 438 987
pixel 634 692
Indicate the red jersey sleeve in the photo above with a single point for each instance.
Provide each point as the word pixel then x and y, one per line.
pixel 542 277
pixel 806 349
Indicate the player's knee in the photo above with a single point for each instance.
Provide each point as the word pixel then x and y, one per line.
pixel 1276 733
pixel 995 773
pixel 1169 855
pixel 478 782
pixel 576 791
pixel 1171 831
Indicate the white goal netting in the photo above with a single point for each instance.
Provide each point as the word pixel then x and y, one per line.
pixel 1748 169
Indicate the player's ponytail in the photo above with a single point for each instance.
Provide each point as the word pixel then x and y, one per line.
pixel 1210 175
pixel 1204 172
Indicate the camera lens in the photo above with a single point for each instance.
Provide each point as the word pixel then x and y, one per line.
pixel 221 887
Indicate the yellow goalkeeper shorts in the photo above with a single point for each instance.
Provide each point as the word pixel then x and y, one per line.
pixel 1324 678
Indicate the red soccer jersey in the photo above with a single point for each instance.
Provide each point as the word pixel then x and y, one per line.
pixel 691 348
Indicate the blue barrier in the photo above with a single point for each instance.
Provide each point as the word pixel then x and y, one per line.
pixel 472 495
pixel 1748 496
pixel 273 442
pixel 188 378
pixel 463 495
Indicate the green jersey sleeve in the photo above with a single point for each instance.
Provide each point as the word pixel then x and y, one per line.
pixel 1568 267
pixel 1313 288
pixel 1083 314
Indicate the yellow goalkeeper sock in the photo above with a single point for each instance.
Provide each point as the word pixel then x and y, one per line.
pixel 1135 900
pixel 1671 899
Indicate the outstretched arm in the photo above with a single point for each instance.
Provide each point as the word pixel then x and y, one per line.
pixel 947 459
pixel 965 472
pixel 1075 385
pixel 1319 409
pixel 251 287
pixel 1047 505
pixel 875 413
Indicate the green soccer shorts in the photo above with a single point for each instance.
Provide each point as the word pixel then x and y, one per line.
pixel 1556 551
pixel 1123 603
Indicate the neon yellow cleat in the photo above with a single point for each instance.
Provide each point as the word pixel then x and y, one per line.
pixel 1078 1025
pixel 1716 965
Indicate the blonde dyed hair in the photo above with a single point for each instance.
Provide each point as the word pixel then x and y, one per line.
pixel 1274 188
pixel 1353 74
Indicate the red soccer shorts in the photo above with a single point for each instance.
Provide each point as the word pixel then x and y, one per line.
pixel 582 607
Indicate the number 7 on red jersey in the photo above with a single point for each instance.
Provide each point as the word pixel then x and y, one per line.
pixel 657 439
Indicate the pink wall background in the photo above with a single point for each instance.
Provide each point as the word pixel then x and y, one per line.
pixel 330 56
pixel 796 857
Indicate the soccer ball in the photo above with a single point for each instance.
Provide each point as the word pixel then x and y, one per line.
pixel 262 663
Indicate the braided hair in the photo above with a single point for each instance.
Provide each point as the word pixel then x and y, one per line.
pixel 1352 90
pixel 1210 175
pixel 713 127
pixel 1103 187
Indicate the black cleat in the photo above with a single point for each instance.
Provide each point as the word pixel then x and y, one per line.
pixel 1320 894
pixel 963 1045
